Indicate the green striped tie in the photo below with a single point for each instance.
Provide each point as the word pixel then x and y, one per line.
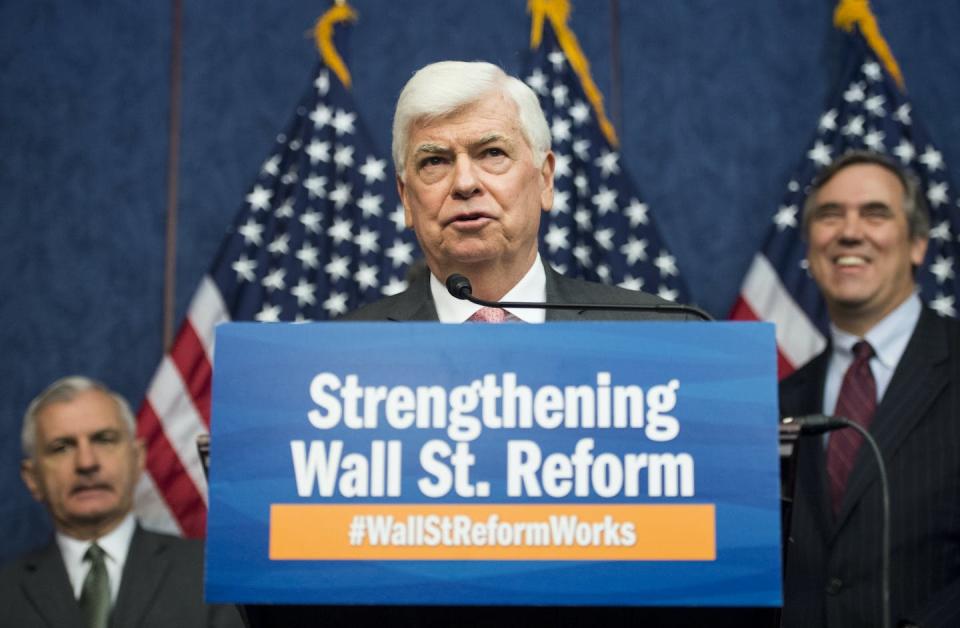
pixel 95 596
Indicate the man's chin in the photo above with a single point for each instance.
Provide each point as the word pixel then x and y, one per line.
pixel 91 511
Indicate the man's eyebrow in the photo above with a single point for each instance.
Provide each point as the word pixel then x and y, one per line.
pixel 827 205
pixel 874 205
pixel 59 441
pixel 490 138
pixel 433 149
pixel 866 205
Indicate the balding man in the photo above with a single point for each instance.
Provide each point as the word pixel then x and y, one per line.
pixel 82 461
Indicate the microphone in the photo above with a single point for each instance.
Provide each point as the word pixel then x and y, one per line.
pixel 815 423
pixel 819 424
pixel 459 287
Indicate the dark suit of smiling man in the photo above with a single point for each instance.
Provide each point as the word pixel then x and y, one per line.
pixel 866 229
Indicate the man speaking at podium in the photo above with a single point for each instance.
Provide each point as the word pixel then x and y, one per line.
pixel 471 148
pixel 894 367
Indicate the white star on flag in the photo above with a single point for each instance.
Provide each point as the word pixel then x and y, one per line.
pixel 374 169
pixel 786 217
pixel 251 232
pixel 556 238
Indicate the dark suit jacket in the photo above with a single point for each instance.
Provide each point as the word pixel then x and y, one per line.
pixel 833 567
pixel 416 303
pixel 161 587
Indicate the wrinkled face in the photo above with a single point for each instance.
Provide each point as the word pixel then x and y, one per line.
pixel 86 464
pixel 471 191
pixel 860 251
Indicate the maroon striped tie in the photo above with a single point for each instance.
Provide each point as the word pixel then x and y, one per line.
pixel 492 315
pixel 858 402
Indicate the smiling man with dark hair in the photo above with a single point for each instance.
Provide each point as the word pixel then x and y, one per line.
pixel 894 367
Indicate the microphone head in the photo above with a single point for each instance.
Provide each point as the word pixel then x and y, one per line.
pixel 459 286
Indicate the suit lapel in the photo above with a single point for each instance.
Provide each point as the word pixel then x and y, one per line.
pixel 47 586
pixel 917 380
pixel 416 303
pixel 139 585
pixel 556 294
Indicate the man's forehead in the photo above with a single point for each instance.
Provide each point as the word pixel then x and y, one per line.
pixel 88 412
pixel 496 115
pixel 863 178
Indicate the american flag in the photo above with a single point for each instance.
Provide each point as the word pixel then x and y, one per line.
pixel 870 112
pixel 321 232
pixel 599 228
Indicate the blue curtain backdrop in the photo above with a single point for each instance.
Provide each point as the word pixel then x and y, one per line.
pixel 718 100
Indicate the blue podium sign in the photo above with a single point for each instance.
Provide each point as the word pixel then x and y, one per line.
pixel 628 464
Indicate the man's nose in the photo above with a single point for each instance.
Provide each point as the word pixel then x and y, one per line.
pixel 86 457
pixel 466 184
pixel 851 229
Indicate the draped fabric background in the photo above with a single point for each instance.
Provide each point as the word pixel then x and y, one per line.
pixel 717 101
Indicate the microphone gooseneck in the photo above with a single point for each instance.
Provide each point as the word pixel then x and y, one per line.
pixel 459 287
pixel 820 423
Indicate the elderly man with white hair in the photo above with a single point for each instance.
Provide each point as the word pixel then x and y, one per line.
pixel 471 148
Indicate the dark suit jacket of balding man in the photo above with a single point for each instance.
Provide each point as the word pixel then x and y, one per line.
pixel 161 587
pixel 416 303
pixel 833 566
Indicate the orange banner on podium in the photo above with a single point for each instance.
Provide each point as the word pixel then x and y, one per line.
pixel 637 532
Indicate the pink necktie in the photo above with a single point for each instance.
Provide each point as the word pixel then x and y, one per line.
pixel 492 315
pixel 858 402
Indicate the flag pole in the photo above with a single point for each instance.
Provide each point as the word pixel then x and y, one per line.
pixel 558 12
pixel 850 13
pixel 323 35
pixel 173 180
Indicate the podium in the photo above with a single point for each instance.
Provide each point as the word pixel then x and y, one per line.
pixel 563 474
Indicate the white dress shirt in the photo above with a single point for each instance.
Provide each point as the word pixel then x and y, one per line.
pixel 532 287
pixel 889 340
pixel 115 546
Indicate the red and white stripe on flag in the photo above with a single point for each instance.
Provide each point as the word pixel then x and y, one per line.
pixel 763 297
pixel 172 495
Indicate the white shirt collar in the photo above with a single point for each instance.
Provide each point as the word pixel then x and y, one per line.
pixel 531 287
pixel 888 338
pixel 115 545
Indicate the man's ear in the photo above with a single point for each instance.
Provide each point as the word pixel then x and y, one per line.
pixel 546 179
pixel 918 250
pixel 140 449
pixel 29 476
pixel 407 215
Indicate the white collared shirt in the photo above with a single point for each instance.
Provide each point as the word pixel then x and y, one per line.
pixel 532 287
pixel 115 546
pixel 889 340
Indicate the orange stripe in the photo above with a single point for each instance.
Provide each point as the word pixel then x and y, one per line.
pixel 661 532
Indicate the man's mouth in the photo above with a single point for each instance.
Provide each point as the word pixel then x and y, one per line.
pixel 847 261
pixel 87 489
pixel 469 219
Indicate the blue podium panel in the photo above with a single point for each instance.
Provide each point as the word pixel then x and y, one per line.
pixel 557 464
